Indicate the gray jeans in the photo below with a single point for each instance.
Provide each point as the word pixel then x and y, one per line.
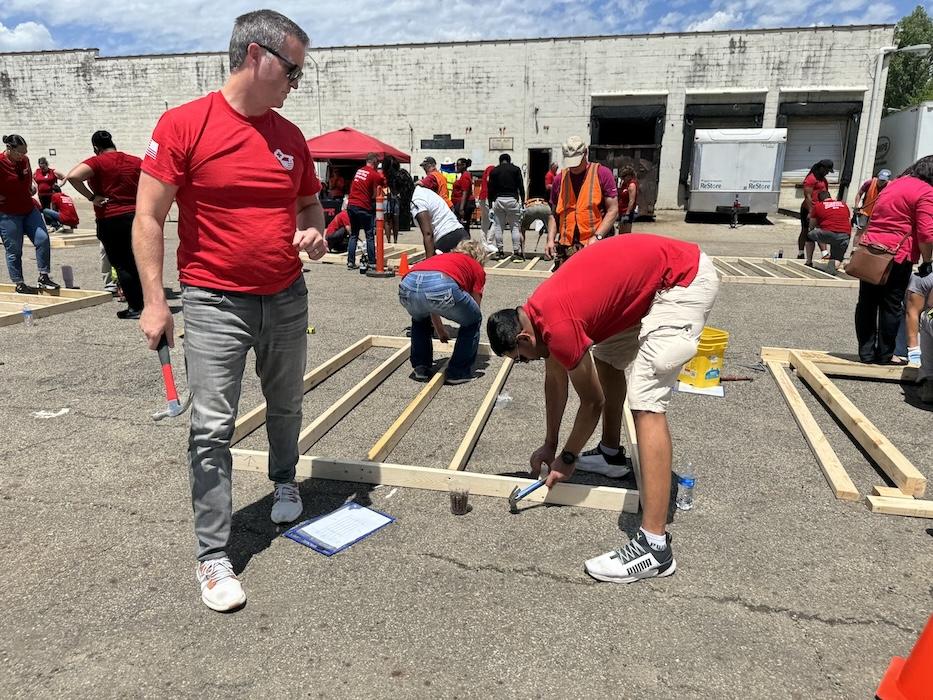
pixel 220 328
pixel 506 212
pixel 838 242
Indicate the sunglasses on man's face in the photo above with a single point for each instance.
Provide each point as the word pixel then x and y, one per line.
pixel 293 71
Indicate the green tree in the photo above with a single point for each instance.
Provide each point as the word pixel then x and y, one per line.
pixel 910 78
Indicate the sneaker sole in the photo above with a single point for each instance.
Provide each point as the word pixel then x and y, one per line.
pixel 632 579
pixel 621 474
pixel 230 608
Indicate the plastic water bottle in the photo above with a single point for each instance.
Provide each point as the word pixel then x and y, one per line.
pixel 27 316
pixel 686 481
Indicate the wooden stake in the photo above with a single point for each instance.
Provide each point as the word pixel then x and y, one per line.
pixel 898 468
pixel 835 473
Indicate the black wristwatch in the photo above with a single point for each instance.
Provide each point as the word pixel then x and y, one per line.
pixel 568 457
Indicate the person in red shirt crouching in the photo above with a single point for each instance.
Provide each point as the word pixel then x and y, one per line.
pixel 830 223
pixel 61 211
pixel 337 233
pixel 247 196
pixel 639 302
pixel 449 285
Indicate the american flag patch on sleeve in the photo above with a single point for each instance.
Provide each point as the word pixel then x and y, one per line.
pixel 152 150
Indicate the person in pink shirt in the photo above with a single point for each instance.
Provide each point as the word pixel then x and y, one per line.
pixel 903 220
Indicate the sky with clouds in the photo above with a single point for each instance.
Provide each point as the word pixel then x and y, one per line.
pixel 120 27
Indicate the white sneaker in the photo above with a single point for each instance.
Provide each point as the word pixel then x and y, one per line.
pixel 824 255
pixel 598 462
pixel 634 561
pixel 220 588
pixel 490 248
pixel 286 503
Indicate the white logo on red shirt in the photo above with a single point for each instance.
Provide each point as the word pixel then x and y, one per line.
pixel 152 150
pixel 287 161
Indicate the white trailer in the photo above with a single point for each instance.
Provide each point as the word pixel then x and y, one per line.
pixel 737 166
pixel 904 137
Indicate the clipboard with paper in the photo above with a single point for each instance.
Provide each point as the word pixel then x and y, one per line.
pixel 334 532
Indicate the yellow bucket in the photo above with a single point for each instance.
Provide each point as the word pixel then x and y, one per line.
pixel 704 369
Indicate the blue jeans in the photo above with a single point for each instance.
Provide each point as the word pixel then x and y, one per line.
pixel 52 216
pixel 426 293
pixel 220 329
pixel 366 220
pixel 12 230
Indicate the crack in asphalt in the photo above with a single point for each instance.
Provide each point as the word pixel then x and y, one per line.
pixel 523 571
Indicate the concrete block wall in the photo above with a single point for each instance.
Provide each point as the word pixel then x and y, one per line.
pixel 538 92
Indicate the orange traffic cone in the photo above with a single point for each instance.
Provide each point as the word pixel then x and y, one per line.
pixel 403 268
pixel 911 679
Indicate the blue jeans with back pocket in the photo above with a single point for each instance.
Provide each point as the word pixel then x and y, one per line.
pixel 426 293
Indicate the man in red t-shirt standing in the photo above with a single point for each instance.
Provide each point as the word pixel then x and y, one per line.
pixel 640 302
pixel 830 223
pixel 113 177
pixel 361 206
pixel 248 202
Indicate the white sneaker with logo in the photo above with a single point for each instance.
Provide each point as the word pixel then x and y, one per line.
pixel 220 588
pixel 598 462
pixel 633 562
pixel 286 503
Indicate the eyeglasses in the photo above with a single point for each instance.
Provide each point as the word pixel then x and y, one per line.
pixel 294 72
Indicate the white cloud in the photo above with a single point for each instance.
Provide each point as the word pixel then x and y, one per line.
pixel 27 36
pixel 718 20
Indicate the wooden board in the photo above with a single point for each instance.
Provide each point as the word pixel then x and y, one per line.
pixel 910 507
pixel 256 417
pixel 462 455
pixel 396 432
pixel 327 420
pixel 47 303
pixel 898 468
pixel 889 492
pixel 834 366
pixel 835 473
pixel 599 497
pixel 391 341
pixel 628 427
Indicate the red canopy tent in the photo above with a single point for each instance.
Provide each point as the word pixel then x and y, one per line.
pixel 350 144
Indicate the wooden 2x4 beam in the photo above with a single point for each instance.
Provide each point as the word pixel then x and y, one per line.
pixel 898 468
pixel 462 455
pixel 599 497
pixel 833 366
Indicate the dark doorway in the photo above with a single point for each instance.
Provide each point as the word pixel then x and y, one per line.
pixel 539 160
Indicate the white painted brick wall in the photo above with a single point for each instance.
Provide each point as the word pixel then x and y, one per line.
pixel 538 92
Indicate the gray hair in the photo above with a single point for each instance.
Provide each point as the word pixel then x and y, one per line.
pixel 266 27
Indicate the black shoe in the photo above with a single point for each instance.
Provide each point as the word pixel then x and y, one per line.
pixel 128 314
pixel 518 257
pixel 45 282
pixel 800 256
pixel 351 266
pixel 23 288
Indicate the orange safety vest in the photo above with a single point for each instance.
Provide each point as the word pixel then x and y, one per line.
pixel 871 196
pixel 579 216
pixel 441 186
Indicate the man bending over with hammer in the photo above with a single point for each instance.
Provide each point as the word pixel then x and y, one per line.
pixel 640 302
pixel 248 203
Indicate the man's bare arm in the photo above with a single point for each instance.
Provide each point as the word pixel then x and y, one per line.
pixel 153 200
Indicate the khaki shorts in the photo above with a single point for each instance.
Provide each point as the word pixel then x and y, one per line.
pixel 651 354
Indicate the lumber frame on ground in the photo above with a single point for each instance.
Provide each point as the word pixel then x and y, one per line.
pixel 833 366
pixel 46 303
pixel 599 497
pixel 898 468
pixel 836 475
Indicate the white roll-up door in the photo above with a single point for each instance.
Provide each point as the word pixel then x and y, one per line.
pixel 811 139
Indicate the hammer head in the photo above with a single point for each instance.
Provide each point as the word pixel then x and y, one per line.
pixel 174 408
pixel 513 500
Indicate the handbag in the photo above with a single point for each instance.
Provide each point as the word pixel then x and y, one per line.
pixel 872 262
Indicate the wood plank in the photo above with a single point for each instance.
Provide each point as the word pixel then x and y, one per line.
pixel 910 507
pixel 786 269
pixel 327 420
pixel 59 294
pixel 537 274
pixel 60 305
pixel 391 341
pixel 834 366
pixel 31 299
pixel 758 268
pixel 889 492
pixel 628 427
pixel 505 262
pixel 731 269
pixel 793 282
pixel 836 475
pixel 384 446
pixel 599 497
pixel 257 416
pixel 531 264
pixel 462 455
pixel 811 271
pixel 898 468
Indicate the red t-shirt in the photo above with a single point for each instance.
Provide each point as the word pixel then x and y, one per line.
pixel 460 267
pixel 831 215
pixel 65 206
pixel 116 177
pixel 15 183
pixel 462 184
pixel 484 183
pixel 818 186
pixel 238 181
pixel 549 179
pixel 905 208
pixel 605 289
pixel 44 181
pixel 363 188
pixel 341 220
